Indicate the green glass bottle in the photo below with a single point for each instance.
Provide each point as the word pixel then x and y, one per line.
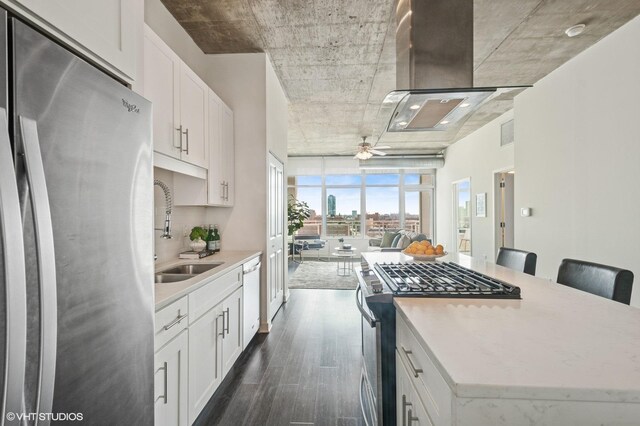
pixel 216 239
pixel 210 240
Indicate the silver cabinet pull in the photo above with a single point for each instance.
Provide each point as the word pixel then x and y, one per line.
pixel 46 260
pixel 166 383
pixel 14 274
pixel 410 418
pixel 179 130
pixel 222 193
pixel 176 321
pixel 405 404
pixel 221 315
pixel 416 371
pixel 186 133
pixel 226 327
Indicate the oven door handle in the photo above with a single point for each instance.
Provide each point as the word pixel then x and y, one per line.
pixel 372 322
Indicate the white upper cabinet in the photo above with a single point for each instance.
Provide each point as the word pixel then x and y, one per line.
pixel 180 105
pixel 105 30
pixel 162 88
pixel 221 153
pixel 193 116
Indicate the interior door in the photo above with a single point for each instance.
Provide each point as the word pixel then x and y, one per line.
pixel 275 243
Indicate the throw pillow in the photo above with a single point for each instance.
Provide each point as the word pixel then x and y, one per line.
pixel 403 242
pixel 387 239
pixel 394 243
pixel 420 237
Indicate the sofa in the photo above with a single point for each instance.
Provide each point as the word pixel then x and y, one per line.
pixel 308 242
pixel 395 240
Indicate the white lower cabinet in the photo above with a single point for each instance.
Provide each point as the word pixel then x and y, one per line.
pixel 409 407
pixel 205 359
pixel 232 338
pixel 170 393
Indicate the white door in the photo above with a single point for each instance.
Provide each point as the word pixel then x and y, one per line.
pixel 275 240
pixel 162 88
pixel 205 363
pixel 170 382
pixel 194 103
pixel 232 341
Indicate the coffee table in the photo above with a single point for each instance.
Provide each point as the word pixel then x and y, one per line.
pixel 345 257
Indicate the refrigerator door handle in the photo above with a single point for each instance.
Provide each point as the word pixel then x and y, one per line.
pixel 46 262
pixel 14 273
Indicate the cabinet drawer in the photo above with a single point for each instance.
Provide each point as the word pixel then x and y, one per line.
pixel 209 295
pixel 170 321
pixel 433 391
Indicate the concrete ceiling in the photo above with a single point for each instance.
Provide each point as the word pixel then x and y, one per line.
pixel 336 58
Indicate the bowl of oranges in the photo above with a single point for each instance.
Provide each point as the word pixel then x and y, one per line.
pixel 423 250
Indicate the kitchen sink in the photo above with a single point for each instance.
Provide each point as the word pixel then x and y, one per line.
pixel 171 278
pixel 192 268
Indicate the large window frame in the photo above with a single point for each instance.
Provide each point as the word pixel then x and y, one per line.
pixel 403 188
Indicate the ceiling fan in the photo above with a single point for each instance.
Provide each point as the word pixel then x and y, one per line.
pixel 366 151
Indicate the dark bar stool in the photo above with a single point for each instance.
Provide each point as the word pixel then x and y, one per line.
pixel 519 260
pixel 601 280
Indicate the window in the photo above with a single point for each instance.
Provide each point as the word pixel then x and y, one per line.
pixel 383 204
pixel 364 205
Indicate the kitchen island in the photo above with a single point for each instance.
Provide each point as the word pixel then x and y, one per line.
pixel 557 356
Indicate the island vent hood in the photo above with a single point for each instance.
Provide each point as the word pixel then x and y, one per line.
pixel 434 67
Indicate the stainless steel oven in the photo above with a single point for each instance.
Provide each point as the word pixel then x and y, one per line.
pixel 370 389
pixel 378 329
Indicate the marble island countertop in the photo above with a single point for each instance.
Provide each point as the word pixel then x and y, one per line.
pixel 167 293
pixel 557 343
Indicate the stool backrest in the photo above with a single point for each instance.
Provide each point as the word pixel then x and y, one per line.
pixel 602 280
pixel 519 260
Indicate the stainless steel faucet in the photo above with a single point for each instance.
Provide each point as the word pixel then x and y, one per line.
pixel 166 230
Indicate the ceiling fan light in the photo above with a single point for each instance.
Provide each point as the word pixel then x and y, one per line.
pixel 364 155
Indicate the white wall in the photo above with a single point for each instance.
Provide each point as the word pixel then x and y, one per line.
pixel 477 156
pixel 180 217
pixel 578 158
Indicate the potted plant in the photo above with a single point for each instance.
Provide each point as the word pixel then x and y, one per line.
pixel 197 236
pixel 297 212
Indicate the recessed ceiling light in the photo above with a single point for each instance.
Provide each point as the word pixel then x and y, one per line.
pixel 444 122
pixel 402 123
pixel 575 30
pixel 464 105
pixel 416 106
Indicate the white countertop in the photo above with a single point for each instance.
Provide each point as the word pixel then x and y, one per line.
pixel 167 293
pixel 556 343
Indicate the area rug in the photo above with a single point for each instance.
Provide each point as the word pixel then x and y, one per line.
pixel 314 274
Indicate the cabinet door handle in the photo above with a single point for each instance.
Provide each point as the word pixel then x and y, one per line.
pixel 411 419
pixel 227 191
pixel 405 404
pixel 221 315
pixel 186 133
pixel 416 371
pixel 227 323
pixel 175 321
pixel 179 129
pixel 222 194
pixel 166 385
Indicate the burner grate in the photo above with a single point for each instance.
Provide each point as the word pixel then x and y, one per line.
pixel 442 279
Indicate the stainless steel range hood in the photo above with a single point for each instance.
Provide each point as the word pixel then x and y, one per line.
pixel 434 68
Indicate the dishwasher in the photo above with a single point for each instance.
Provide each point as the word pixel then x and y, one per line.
pixel 251 297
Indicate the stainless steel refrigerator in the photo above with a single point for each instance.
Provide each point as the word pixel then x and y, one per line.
pixel 76 224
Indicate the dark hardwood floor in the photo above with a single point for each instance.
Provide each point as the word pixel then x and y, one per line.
pixel 306 371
